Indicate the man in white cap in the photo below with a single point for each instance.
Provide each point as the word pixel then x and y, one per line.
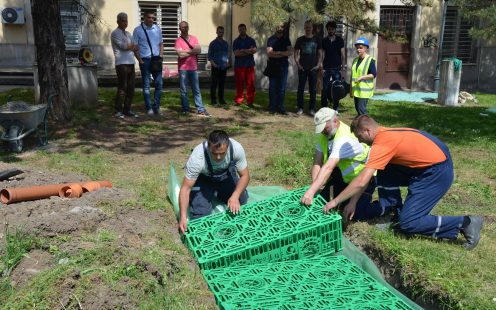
pixel 338 147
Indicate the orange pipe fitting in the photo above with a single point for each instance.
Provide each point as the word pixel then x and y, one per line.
pixel 68 190
pixel 74 190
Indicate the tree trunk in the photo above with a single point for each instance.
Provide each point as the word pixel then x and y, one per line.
pixel 50 56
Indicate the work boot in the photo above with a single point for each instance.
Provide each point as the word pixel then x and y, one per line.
pixel 472 231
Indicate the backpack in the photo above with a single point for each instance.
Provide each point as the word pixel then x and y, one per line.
pixel 337 89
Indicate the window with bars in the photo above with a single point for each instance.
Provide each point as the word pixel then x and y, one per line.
pixel 71 24
pixel 397 20
pixel 168 16
pixel 456 40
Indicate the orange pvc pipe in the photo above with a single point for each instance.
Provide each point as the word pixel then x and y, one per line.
pixel 94 185
pixel 74 190
pixel 11 195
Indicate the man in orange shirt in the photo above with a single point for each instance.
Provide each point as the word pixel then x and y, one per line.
pixel 413 158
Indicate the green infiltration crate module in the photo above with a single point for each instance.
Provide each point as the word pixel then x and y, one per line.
pixel 271 230
pixel 316 283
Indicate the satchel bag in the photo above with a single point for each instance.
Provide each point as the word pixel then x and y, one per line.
pixel 273 69
pixel 156 62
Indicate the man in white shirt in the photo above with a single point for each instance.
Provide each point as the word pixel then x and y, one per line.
pixel 338 147
pixel 217 165
pixel 124 48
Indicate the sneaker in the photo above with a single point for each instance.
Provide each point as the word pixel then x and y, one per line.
pixel 131 114
pixel 312 112
pixel 472 232
pixel 158 113
pixel 204 114
pixel 150 112
pixel 119 115
pixel 299 112
pixel 185 113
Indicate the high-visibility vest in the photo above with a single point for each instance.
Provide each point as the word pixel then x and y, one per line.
pixel 364 88
pixel 350 167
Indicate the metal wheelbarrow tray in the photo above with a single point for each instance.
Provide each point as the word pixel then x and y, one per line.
pixel 19 119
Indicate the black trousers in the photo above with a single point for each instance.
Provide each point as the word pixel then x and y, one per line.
pixel 217 85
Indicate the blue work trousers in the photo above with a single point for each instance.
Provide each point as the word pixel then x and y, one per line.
pixel 365 208
pixel 204 190
pixel 426 186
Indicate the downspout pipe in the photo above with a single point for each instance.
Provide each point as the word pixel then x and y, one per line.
pixel 437 76
pixel 229 35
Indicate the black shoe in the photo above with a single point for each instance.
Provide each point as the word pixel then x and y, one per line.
pixel 472 232
pixel 283 113
pixel 272 112
pixel 130 114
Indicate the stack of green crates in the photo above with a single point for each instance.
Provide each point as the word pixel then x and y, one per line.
pixel 316 283
pixel 278 254
pixel 276 229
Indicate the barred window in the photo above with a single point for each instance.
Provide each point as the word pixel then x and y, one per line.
pixel 456 41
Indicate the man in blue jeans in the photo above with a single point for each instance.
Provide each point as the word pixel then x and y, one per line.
pixel 278 50
pixel 144 55
pixel 187 49
pixel 308 58
pixel 334 57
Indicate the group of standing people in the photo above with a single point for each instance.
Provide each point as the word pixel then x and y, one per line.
pixel 146 46
pixel 311 54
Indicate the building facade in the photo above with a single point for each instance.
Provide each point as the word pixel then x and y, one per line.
pixel 429 35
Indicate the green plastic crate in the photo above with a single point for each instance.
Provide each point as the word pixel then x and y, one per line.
pixel 317 283
pixel 275 229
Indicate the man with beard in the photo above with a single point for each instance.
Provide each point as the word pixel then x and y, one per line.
pixel 278 49
pixel 338 147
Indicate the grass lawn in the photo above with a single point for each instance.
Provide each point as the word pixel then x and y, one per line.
pixel 439 272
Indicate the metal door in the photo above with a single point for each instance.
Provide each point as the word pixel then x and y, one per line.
pixel 393 66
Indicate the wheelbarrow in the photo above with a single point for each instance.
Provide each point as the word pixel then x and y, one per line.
pixel 19 119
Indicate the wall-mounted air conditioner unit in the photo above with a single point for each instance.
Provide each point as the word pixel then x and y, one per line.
pixel 13 16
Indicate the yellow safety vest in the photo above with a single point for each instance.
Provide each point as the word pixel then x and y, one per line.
pixel 364 88
pixel 350 167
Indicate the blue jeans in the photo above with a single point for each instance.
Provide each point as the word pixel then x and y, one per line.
pixel 330 74
pixel 192 76
pixel 277 90
pixel 303 75
pixel 157 78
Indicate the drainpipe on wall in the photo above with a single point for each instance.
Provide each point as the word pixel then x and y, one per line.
pixel 229 22
pixel 440 48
